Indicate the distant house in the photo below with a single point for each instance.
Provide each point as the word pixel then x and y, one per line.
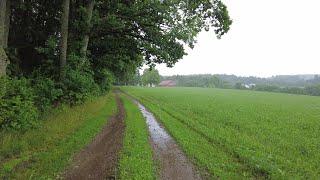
pixel 167 83
pixel 249 86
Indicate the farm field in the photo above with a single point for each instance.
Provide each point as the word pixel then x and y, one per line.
pixel 232 133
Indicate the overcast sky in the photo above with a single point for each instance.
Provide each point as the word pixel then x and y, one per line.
pixel 267 37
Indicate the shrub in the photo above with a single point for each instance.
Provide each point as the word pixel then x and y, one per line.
pixel 46 93
pixel 17 109
pixel 78 86
pixel 104 78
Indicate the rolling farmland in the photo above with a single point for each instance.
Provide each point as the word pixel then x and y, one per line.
pixel 232 133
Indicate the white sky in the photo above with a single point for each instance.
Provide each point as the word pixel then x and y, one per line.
pixel 267 37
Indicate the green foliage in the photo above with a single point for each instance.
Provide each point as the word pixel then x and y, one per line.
pixel 122 36
pixel 17 108
pixel 150 77
pixel 46 93
pixel 203 80
pixel 313 90
pixel 78 86
pixel 237 134
pixel 104 79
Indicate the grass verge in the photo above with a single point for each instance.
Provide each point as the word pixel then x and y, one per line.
pixel 43 153
pixel 136 157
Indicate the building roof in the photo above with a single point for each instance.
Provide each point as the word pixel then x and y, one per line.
pixel 167 83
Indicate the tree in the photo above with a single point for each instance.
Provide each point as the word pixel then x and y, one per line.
pixel 89 9
pixel 7 23
pixel 313 90
pixel 64 37
pixel 54 62
pixel 238 85
pixel 150 77
pixel 3 56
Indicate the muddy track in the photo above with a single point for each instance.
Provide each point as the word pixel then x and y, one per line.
pixel 99 159
pixel 173 162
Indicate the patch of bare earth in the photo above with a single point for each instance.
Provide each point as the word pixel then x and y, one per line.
pixel 99 159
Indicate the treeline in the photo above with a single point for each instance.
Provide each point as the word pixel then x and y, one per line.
pixel 305 84
pixel 291 84
pixel 203 80
pixel 66 51
pixel 312 90
pixel 279 80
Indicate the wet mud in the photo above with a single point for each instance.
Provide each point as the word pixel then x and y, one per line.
pixel 173 162
pixel 100 158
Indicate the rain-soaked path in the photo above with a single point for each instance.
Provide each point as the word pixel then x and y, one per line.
pixel 173 163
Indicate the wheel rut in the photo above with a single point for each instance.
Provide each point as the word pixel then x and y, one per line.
pixel 100 158
pixel 173 162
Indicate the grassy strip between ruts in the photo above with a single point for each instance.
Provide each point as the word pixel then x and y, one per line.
pixel 136 157
pixel 43 153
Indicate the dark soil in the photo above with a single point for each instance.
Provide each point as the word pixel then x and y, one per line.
pixel 99 159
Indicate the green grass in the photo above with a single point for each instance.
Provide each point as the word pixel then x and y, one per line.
pixel 43 153
pixel 241 134
pixel 136 157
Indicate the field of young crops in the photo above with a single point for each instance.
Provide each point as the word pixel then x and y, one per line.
pixel 234 133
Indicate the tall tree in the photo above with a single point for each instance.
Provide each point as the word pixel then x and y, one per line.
pixel 64 37
pixel 89 9
pixel 150 77
pixel 3 56
pixel 7 23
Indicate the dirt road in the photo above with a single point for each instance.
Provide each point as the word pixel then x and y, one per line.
pixel 99 159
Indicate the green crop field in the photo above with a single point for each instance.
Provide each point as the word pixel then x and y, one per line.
pixel 243 134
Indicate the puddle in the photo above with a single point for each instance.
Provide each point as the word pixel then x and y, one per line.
pixel 173 163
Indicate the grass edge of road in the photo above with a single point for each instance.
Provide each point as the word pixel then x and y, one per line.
pixel 45 152
pixel 136 158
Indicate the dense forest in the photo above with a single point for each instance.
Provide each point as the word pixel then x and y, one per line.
pixel 66 51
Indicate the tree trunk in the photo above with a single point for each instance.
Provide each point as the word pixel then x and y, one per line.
pixel 89 8
pixel 7 24
pixel 3 56
pixel 64 37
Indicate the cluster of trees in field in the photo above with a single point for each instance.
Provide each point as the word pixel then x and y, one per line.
pixel 204 80
pixel 66 51
pixel 150 77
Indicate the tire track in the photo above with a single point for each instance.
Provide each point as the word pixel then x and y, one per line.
pixel 99 159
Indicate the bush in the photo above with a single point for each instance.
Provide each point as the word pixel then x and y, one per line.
pixel 46 93
pixel 17 109
pixel 78 86
pixel 104 78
